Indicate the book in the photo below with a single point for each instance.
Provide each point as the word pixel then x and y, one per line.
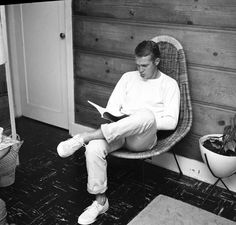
pixel 105 114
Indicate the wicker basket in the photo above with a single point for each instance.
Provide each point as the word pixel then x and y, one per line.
pixel 3 213
pixel 8 165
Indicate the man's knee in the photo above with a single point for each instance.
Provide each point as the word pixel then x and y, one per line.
pixel 145 115
pixel 96 148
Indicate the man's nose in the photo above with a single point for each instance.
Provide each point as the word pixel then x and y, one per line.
pixel 141 69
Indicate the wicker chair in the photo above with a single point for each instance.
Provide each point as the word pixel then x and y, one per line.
pixel 172 63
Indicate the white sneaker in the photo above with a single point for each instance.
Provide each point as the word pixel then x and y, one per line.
pixel 68 147
pixel 92 212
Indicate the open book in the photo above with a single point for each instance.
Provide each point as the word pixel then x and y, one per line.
pixel 105 114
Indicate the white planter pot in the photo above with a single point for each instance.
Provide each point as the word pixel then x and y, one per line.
pixel 222 166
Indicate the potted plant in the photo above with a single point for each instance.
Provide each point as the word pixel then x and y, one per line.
pixel 220 150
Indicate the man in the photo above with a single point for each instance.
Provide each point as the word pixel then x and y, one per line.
pixel 151 100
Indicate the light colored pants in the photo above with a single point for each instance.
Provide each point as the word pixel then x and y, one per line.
pixel 136 132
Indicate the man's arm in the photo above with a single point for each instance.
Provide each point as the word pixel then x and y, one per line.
pixel 168 119
pixel 117 97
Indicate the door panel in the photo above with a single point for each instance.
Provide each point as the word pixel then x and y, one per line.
pixel 44 86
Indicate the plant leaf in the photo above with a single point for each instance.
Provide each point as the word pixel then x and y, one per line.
pixel 234 146
pixel 234 133
pixel 226 134
pixel 217 146
pixel 231 146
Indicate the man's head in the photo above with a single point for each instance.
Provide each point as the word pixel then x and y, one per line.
pixel 146 48
pixel 147 58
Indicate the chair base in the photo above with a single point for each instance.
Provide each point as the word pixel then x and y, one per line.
pixel 176 160
pixel 213 187
pixel 219 179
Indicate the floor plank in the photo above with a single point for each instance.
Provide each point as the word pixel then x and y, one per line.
pixel 52 191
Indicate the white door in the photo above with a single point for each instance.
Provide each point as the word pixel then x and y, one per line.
pixel 44 82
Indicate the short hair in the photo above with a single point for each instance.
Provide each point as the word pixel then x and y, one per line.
pixel 146 48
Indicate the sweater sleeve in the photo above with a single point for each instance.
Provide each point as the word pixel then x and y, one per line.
pixel 168 119
pixel 117 97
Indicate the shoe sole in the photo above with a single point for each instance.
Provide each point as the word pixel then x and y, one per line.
pixel 81 223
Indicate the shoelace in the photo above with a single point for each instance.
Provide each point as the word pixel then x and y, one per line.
pixel 92 207
pixel 79 139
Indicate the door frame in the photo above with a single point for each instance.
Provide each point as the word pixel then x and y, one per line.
pixel 7 69
pixel 14 34
pixel 14 30
pixel 69 64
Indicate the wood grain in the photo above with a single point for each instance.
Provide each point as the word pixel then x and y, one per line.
pixel 206 118
pixel 107 31
pixel 203 13
pixel 209 86
pixel 203 46
pixel 101 68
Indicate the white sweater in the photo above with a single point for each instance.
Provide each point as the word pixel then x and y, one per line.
pixel 160 95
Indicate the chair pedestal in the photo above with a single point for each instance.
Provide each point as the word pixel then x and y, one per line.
pixel 176 160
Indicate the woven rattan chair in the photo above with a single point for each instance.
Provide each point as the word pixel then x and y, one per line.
pixel 172 63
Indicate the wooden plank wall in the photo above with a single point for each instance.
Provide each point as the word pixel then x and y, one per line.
pixel 4 106
pixel 105 33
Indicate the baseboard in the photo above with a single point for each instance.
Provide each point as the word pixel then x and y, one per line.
pixel 191 168
pixel 75 128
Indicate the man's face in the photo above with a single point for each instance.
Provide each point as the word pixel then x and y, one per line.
pixel 147 67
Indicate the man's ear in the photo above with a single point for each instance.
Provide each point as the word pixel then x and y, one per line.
pixel 157 61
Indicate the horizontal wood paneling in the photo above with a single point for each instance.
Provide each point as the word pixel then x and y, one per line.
pixel 91 91
pixel 88 117
pixel 189 147
pixel 207 85
pixel 214 48
pixel 107 31
pixel 102 68
pixel 216 87
pixel 207 119
pixel 219 13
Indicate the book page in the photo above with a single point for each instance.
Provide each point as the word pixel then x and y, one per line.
pixel 107 115
pixel 100 109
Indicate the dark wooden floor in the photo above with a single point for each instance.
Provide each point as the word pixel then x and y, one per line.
pixel 52 191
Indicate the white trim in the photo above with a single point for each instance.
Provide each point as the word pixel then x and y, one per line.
pixel 11 24
pixel 8 73
pixel 78 128
pixel 191 168
pixel 69 64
